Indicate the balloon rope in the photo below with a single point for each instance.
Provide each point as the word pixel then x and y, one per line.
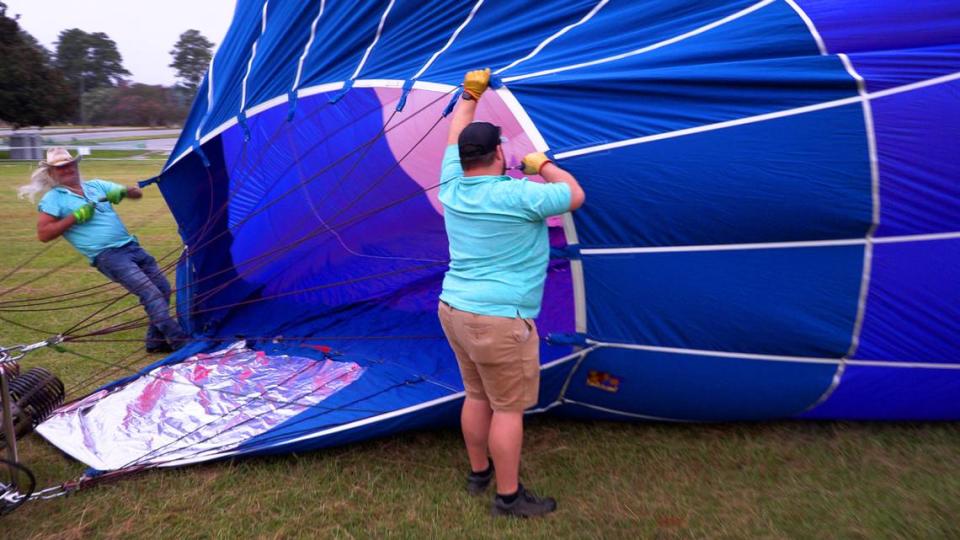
pixel 276 252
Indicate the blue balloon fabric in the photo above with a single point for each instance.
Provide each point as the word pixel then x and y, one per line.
pixel 772 227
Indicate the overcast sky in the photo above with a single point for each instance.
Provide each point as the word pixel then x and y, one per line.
pixel 145 30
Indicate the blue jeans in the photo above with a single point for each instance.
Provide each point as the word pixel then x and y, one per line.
pixel 131 266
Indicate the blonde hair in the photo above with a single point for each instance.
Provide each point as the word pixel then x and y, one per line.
pixel 40 183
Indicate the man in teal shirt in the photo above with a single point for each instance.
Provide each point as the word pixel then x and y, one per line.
pixel 82 212
pixel 499 251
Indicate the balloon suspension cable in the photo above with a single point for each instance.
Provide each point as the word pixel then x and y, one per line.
pixel 69 335
pixel 72 295
pixel 275 253
pixel 89 291
pixel 16 352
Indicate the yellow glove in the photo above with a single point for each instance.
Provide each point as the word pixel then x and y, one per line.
pixel 476 82
pixel 533 162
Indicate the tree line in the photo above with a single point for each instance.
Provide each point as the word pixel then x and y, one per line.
pixel 83 80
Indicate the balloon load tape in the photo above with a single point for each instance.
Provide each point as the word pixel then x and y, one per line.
pixel 35 394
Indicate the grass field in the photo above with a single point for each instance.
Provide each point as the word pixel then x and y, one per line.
pixel 612 480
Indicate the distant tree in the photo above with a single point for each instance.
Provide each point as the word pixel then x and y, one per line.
pixel 135 105
pixel 97 103
pixel 88 61
pixel 31 91
pixel 32 41
pixel 191 56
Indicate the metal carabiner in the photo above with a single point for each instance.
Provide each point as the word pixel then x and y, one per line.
pixel 41 344
pixel 6 356
pixel 23 348
pixel 50 493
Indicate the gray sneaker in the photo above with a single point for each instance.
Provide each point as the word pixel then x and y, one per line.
pixel 527 504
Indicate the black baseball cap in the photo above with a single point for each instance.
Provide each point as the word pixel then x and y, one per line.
pixel 478 139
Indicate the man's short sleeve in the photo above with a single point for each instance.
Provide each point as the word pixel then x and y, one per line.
pixel 50 204
pixel 450 167
pixel 541 201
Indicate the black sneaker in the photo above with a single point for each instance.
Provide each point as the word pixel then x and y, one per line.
pixel 477 482
pixel 177 343
pixel 159 347
pixel 525 505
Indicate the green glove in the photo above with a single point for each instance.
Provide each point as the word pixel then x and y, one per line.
pixel 84 213
pixel 115 195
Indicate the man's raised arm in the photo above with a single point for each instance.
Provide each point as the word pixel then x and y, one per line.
pixel 474 84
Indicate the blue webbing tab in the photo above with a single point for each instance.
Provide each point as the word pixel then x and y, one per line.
pixel 292 100
pixel 576 339
pixel 93 473
pixel 571 252
pixel 242 120
pixel 407 86
pixel 453 102
pixel 346 88
pixel 199 151
pixel 495 82
pixel 148 181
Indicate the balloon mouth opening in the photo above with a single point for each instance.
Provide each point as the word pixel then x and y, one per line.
pixel 333 221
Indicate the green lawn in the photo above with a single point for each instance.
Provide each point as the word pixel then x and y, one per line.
pixel 612 480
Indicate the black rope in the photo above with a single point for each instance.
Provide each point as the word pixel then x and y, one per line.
pixel 151 375
pixel 303 417
pixel 139 321
pixel 80 324
pixel 49 272
pixel 294 421
pixel 27 261
pixel 42 300
pixel 23 493
pixel 278 338
pixel 224 206
pixel 311 364
pixel 279 251
pixel 28 327
pixel 323 170
pixel 60 308
pixel 364 148
pixel 99 378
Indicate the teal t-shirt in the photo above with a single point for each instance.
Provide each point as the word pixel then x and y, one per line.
pixel 103 231
pixel 499 243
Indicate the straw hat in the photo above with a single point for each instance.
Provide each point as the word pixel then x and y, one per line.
pixel 58 156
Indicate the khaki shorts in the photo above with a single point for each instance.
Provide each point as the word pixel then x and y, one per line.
pixel 499 357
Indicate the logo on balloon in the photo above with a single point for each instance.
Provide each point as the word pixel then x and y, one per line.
pixel 603 381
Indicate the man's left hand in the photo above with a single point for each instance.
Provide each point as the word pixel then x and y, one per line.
pixel 533 162
pixel 114 196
